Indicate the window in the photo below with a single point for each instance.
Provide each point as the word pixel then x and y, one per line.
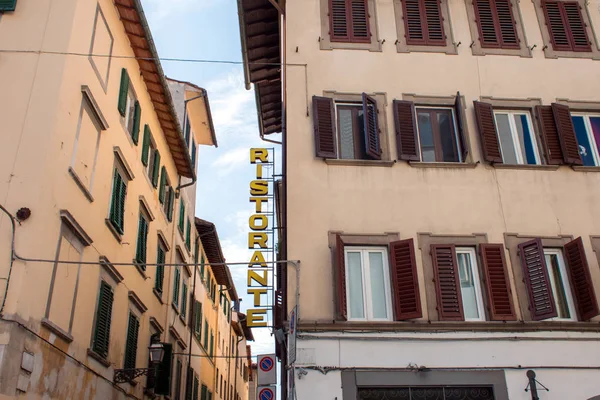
pixel 181 215
pixel 205 343
pixel 347 129
pixel 176 282
pixel 202 264
pixel 204 392
pixel 160 268
pixel 196 387
pixel 129 107
pixel 131 341
pixel 101 338
pixel 166 194
pixel 117 203
pixel 178 375
pixel 188 235
pixel 217 386
pixel 427 392
pixel 184 299
pixel 151 157
pixel 367 283
pixel 142 240
pixel 561 289
pixel 470 287
pixel 198 320
pixel 349 24
pixel 423 22
pixel 194 149
pixel 187 130
pixel 437 135
pixel 517 138
pixel 566 26
pixel 8 5
pixel 212 343
pixel 587 131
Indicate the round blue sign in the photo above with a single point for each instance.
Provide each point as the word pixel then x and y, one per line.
pixel 266 394
pixel 266 364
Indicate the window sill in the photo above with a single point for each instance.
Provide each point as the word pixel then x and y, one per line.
pixel 585 169
pixel 113 230
pixel 80 185
pixel 527 166
pixel 175 308
pixel 360 163
pixel 51 326
pixel 420 164
pixel 158 295
pixel 92 354
pixel 182 318
pixel 140 268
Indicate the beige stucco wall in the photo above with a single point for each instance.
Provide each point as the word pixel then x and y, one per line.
pixel 406 199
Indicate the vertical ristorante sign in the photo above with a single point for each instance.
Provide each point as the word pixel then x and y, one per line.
pixel 260 238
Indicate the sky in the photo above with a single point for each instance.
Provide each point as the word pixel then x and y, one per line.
pixel 208 30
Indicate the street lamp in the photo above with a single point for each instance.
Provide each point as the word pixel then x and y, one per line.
pixel 157 352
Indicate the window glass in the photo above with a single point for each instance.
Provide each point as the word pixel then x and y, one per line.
pixel 509 155
pixel 445 123
pixel 351 140
pixel 525 135
pixel 426 137
pixel 346 133
pixel 560 284
pixel 130 110
pixel 517 138
pixel 587 130
pixel 356 300
pixel 469 284
pixel 377 285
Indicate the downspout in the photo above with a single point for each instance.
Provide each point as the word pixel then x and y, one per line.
pixel 12 256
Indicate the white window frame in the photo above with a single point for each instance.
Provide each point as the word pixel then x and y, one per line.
pixel 129 107
pixel 565 282
pixel 476 281
pixel 454 124
pixel 366 279
pixel 515 138
pixel 590 135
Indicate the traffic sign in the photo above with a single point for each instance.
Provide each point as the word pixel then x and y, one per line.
pixel 267 373
pixel 266 393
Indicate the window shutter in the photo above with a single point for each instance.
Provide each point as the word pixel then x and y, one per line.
pixel 506 24
pixel 406 130
pixel 203 393
pixel 486 123
pixel 114 202
pixel 535 275
pixel 556 25
pixel 163 183
pixel 458 108
pixel 137 115
pixel 413 24
pixel 197 319
pixel 181 215
pixel 171 204
pixel 324 125
pixel 163 374
pixel 487 24
pixel 142 241
pixel 103 320
pixel 176 286
pixel 445 268
pixel 423 22
pixel 497 282
pixel 160 270
pixel 8 5
pixel 193 154
pixel 123 90
pixel 184 293
pixel 581 280
pixel 566 134
pixel 146 145
pixel 360 21
pixel 121 203
pixel 196 385
pixel 496 24
pixel 132 339
pixel 156 168
pixel 577 27
pixel 371 128
pixel 407 298
pixel 434 22
pixel 338 20
pixel 549 134
pixel 341 279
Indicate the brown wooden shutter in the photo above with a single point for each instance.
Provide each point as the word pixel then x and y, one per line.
pixel 581 280
pixel 423 22
pixel 566 134
pixel 497 282
pixel 568 31
pixel 537 282
pixel 359 11
pixel 577 27
pixel 549 134
pixel 464 148
pixel 486 123
pixel 487 25
pixel 447 282
pixel 324 125
pixel 413 24
pixel 341 279
pixel 371 128
pixel 557 27
pixel 407 298
pixel 338 20
pixel 406 130
pixel 435 23
pixel 507 24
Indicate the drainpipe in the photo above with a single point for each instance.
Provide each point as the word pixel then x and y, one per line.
pixel 12 254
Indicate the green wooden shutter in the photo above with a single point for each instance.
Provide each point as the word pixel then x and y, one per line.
pixel 212 342
pixel 155 168
pixel 181 215
pixel 132 338
pixel 142 241
pixel 124 89
pixel 121 208
pixel 188 235
pixel 204 393
pixel 8 5
pixel 196 385
pixel 146 145
pixel 209 395
pixel 163 183
pixel 176 286
pixel 117 208
pixel 137 117
pixel 202 266
pixel 184 292
pixel 103 319
pixel 171 204
pixel 193 153
pixel 205 343
pixel 198 319
pixel 160 270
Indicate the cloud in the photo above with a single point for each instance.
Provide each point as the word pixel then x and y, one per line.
pixel 231 160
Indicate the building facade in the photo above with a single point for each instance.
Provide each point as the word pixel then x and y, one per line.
pixel 100 245
pixel 443 156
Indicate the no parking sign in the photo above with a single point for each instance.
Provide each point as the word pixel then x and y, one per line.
pixel 266 393
pixel 267 371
